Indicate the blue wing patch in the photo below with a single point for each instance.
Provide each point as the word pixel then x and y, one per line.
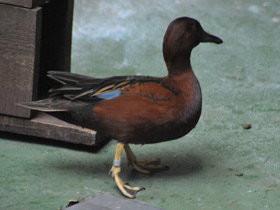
pixel 109 95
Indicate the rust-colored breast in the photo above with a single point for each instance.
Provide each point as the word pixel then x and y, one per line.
pixel 133 118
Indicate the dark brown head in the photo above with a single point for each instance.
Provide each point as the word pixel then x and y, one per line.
pixel 181 36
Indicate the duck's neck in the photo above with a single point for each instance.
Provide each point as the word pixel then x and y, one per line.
pixel 179 64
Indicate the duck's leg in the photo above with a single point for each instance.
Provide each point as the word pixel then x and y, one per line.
pixel 126 190
pixel 146 166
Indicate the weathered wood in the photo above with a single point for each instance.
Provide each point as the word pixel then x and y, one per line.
pixel 20 35
pixel 32 42
pixel 46 126
pixel 24 3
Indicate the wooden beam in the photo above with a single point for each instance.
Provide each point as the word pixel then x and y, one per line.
pixel 20 39
pixel 24 3
pixel 46 126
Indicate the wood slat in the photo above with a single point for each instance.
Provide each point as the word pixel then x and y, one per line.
pixel 46 126
pixel 20 35
pixel 24 3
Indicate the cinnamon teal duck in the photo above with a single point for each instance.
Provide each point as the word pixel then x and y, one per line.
pixel 135 109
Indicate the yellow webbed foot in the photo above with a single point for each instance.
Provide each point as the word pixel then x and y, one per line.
pixel 126 189
pixel 146 166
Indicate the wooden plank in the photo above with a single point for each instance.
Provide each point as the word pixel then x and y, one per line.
pixel 24 3
pixel 20 34
pixel 46 126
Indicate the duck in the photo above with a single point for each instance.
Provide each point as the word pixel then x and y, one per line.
pixel 135 109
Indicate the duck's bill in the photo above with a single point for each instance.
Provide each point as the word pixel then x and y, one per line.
pixel 206 37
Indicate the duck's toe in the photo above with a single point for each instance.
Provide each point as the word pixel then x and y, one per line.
pixel 124 187
pixel 148 166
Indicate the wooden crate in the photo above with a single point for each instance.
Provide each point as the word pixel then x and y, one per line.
pixel 32 41
pixel 20 48
pixel 35 37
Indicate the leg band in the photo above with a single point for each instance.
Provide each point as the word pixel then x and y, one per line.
pixel 117 163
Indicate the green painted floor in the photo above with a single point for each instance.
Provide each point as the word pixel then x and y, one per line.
pixel 219 165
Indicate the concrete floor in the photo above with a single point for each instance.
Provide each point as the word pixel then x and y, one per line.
pixel 219 165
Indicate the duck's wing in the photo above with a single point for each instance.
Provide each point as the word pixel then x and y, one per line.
pixel 85 88
pixel 74 90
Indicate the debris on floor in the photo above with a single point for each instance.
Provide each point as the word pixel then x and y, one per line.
pixel 72 202
pixel 247 126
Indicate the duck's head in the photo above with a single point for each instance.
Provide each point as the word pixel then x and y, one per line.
pixel 181 36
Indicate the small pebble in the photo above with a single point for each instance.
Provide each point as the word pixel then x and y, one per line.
pixel 247 126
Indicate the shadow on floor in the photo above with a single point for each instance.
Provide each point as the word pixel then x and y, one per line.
pixel 51 142
pixel 181 165
pixel 185 165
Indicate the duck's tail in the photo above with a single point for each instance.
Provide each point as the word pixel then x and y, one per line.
pixel 49 105
pixel 60 99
